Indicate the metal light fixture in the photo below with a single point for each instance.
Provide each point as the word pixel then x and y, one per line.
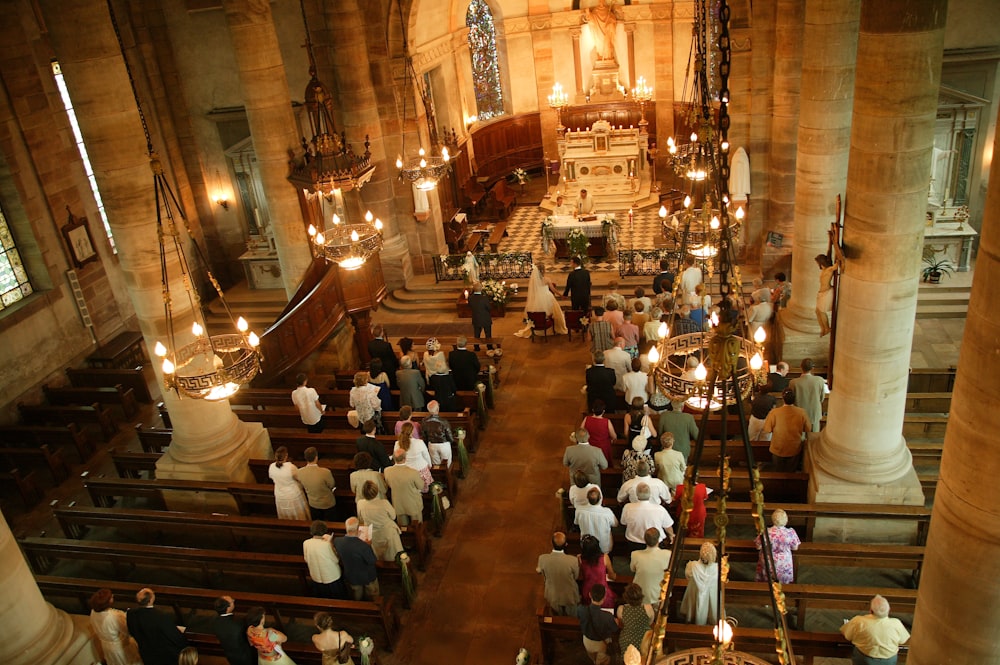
pixel 212 367
pixel 642 94
pixel 558 100
pixel 349 245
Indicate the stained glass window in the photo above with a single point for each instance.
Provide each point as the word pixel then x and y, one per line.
pixel 14 284
pixel 485 60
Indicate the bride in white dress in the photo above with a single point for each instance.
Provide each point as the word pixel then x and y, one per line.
pixel 542 298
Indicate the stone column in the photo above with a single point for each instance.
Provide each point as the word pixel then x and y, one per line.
pixel 272 125
pixel 209 442
pixel 831 30
pixel 955 621
pixel 861 455
pixel 784 121
pixel 37 632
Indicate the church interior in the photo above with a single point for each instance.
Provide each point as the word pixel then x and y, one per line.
pixel 202 199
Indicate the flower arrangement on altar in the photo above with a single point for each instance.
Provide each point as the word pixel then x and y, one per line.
pixel 577 242
pixel 547 234
pixel 497 292
pixel 520 176
pixel 610 228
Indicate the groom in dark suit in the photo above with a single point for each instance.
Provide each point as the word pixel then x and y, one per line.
pixel 482 320
pixel 578 286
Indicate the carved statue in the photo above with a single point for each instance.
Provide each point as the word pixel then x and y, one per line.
pixel 603 25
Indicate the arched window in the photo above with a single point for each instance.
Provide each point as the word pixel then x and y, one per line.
pixel 14 284
pixel 485 60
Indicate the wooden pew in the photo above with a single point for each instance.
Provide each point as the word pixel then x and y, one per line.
pixel 24 436
pixel 939 402
pixel 124 350
pixel 931 380
pixel 43 553
pixel 783 487
pixel 26 484
pixel 34 457
pixel 500 200
pixel 129 378
pixel 301 653
pixel 348 614
pixel 236 531
pixel 114 396
pixel 41 414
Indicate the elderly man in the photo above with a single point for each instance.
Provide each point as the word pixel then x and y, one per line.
pixel 411 384
pixel 809 393
pixel 359 562
pixel 560 570
pixel 659 492
pixel 585 458
pixel 876 637
pixel 778 379
pixel 648 566
pixel 232 633
pixel 787 424
pixel 464 366
pixel 407 488
pixel 159 638
pixel 618 359
pixel 596 520
pixel 641 515
pixel 323 564
pixel 760 312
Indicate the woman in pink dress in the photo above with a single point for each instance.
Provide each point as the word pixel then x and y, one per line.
pixel 783 541
pixel 595 568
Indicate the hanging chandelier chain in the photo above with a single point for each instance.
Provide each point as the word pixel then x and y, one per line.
pixel 309 44
pixel 131 79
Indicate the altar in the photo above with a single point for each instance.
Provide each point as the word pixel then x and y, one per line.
pixel 598 229
pixel 609 162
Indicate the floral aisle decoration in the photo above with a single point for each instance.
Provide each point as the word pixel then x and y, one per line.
pixel 577 243
pixel 498 292
pixel 366 645
pixel 609 229
pixel 547 235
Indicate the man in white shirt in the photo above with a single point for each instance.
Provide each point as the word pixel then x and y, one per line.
pixel 618 359
pixel 648 566
pixel 585 204
pixel 561 209
pixel 642 515
pixel 876 637
pixel 658 490
pixel 323 563
pixel 596 520
pixel 306 399
pixel 690 278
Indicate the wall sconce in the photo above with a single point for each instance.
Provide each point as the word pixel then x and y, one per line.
pixel 219 197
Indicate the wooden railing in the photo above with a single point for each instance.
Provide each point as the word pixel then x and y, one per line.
pixel 507 143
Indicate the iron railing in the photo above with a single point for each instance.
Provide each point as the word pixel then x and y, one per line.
pixel 634 262
pixel 505 265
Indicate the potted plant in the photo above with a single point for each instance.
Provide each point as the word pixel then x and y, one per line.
pixel 935 267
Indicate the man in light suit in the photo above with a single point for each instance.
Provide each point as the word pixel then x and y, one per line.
pixel 479 304
pixel 585 458
pixel 809 393
pixel 411 384
pixel 160 640
pixel 560 570
pixel 319 486
pixel 578 286
pixel 464 365
pixel 406 487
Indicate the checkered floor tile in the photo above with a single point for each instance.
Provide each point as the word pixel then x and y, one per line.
pixel 524 231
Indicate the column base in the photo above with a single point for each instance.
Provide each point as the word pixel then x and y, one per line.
pixel 397 268
pixel 232 467
pixel 824 488
pixel 801 340
pixel 69 642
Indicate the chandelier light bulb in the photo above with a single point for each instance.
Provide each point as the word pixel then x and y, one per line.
pixel 687 201
pixel 445 155
pixel 654 356
pixel 423 163
pixel 715 318
pixel 369 216
pixel 723 632
pixel 354 236
pixel 253 340
pixel 700 373
pixel 336 219
pixel 760 335
pixel 740 214
pixel 714 223
pixel 421 152
pixel 399 161
pixel 168 367
pixel 160 350
pixel 672 149
pixel 670 142
pixel 378 225
pixel 196 329
pixel 242 324
pixel 694 137
pixel 312 231
pixel 756 362
pixel 320 239
pixel 724 146
pixel 663 330
pixel 663 212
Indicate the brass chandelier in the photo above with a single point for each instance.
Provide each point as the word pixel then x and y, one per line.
pixel 349 245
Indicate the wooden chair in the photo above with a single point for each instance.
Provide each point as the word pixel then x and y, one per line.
pixel 541 322
pixel 573 324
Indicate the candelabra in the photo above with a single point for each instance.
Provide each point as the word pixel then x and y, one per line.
pixel 558 100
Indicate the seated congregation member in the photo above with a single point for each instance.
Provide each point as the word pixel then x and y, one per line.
pixel 560 572
pixel 407 486
pixel 700 602
pixel 648 565
pixel 583 457
pixel 601 431
pixel 596 520
pixel 323 563
pixel 379 515
pixel 642 514
pixel 318 485
pixel 784 541
pixel 595 569
pixel 417 456
pixel 635 616
pixel 601 383
pixel 358 559
pixel 670 464
pixel 411 384
pixel 579 490
pixel 598 627
pixel 465 366
pixel 363 472
pixel 231 633
pixel 367 443
pixel 876 636
pixel 267 641
pixel 158 636
pixel 659 492
pixel 406 416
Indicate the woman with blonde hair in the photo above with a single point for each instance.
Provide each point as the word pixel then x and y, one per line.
pixel 417 455
pixel 365 401
pixel 783 541
pixel 700 602
pixel 379 514
pixel 110 629
pixel 333 644
pixel 189 656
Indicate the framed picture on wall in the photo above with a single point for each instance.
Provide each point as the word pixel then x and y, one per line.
pixel 78 239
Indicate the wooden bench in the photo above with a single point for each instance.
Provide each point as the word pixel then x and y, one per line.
pixel 26 484
pixel 928 402
pixel 35 457
pixel 115 396
pixel 348 614
pixel 96 378
pixel 55 437
pixel 42 414
pixel 236 531
pixel 43 554
pixel 497 234
pixel 783 487
pixel 500 200
pixel 124 350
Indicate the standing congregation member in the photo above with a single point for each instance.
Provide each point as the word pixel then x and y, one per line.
pixel 160 640
pixel 783 541
pixel 306 399
pixel 649 565
pixel 322 562
pixel 584 457
pixel 232 634
pixel 368 443
pixel 411 384
pixel 381 349
pixel 596 520
pixel 363 472
pixel 358 559
pixel 700 602
pixel 267 641
pixel 876 637
pixel 289 497
pixel 406 486
pixel 110 628
pixel 560 571
pixel 809 393
pixel 787 424
pixel 465 366
pixel 599 627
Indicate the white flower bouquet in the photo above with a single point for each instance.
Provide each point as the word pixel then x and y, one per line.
pixel 497 292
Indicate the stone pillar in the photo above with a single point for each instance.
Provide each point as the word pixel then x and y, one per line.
pixel 861 455
pixel 272 125
pixel 209 442
pixel 39 634
pixel 831 30
pixel 784 123
pixel 955 622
